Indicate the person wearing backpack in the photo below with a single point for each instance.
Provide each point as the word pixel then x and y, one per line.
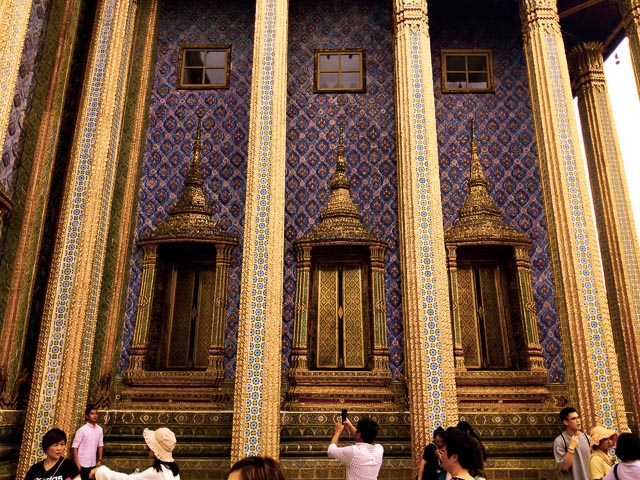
pixel 628 452
pixel 571 448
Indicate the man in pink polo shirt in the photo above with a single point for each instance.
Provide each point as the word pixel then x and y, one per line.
pixel 87 443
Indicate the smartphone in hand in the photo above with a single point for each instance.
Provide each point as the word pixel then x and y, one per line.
pixel 344 415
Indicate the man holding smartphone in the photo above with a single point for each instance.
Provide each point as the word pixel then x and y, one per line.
pixel 362 459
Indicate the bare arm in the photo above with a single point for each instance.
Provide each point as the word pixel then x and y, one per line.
pixel 99 458
pixel 421 468
pixel 567 461
pixel 74 454
pixel 337 430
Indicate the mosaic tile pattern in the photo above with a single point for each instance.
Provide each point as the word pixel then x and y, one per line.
pixel 169 144
pixel 506 142
pixel 25 86
pixel 596 338
pixel 312 133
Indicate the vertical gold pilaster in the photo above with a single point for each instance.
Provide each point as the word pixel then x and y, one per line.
pixel 380 348
pixel 452 265
pixel 590 358
pixel 14 19
pixel 138 349
pixel 630 10
pixel 616 228
pixel 300 347
pixel 429 359
pixel 216 344
pixel 528 309
pixel 63 360
pixel 130 157
pixel 34 179
pixel 256 413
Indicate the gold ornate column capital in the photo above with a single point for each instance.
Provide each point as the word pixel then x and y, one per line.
pixel 411 14
pixel 587 66
pixel 425 289
pixel 630 10
pixel 589 355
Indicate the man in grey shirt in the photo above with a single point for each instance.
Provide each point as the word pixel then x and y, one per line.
pixel 571 447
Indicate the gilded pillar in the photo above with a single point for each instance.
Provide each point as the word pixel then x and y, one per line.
pixel 614 218
pixel 589 354
pixel 256 412
pixel 129 160
pixel 380 348
pixel 300 347
pixel 630 10
pixel 63 360
pixel 33 184
pixel 14 19
pixel 138 349
pixel 216 344
pixel 429 362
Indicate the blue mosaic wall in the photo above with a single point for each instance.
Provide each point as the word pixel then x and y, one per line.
pixel 505 136
pixel 169 144
pixel 506 141
pixel 369 125
pixel 23 95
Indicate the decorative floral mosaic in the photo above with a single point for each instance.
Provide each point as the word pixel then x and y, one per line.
pixel 505 136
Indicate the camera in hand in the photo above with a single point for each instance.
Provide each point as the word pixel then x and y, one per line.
pixel 344 415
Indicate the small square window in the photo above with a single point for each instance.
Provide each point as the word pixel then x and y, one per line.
pixel 204 67
pixel 467 71
pixel 339 71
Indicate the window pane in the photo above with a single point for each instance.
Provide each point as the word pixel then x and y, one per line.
pixel 477 63
pixel 456 80
pixel 329 80
pixel 192 76
pixel 351 62
pixel 216 59
pixel 351 80
pixel 328 62
pixel 193 58
pixel 455 62
pixel 478 80
pixel 215 76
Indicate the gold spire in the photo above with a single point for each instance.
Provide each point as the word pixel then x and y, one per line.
pixel 191 218
pixel 480 218
pixel 340 220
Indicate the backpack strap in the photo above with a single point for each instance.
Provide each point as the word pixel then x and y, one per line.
pixel 615 471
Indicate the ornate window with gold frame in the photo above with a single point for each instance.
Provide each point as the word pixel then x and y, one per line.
pixel 204 67
pixel 341 315
pixel 467 71
pixel 339 71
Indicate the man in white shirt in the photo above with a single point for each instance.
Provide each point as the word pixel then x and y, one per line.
pixel 362 459
pixel 88 444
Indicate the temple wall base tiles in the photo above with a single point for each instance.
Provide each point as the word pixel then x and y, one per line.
pixel 235 218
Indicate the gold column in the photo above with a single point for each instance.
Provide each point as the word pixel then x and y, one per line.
pixel 256 412
pixel 138 349
pixel 614 218
pixel 24 237
pixel 429 362
pixel 216 344
pixel 528 309
pixel 14 20
pixel 630 10
pixel 380 347
pixel 129 160
pixel 589 354
pixel 63 360
pixel 300 347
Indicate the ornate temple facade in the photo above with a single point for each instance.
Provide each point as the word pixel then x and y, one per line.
pixel 235 218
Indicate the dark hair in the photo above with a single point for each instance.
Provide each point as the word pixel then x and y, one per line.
pixel 87 410
pixel 628 447
pixel 55 435
pixel 259 468
pixel 564 413
pixel 368 429
pixel 173 466
pixel 468 449
pixel 438 432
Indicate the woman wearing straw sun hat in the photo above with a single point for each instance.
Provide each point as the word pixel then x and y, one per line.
pixel 600 462
pixel 160 444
